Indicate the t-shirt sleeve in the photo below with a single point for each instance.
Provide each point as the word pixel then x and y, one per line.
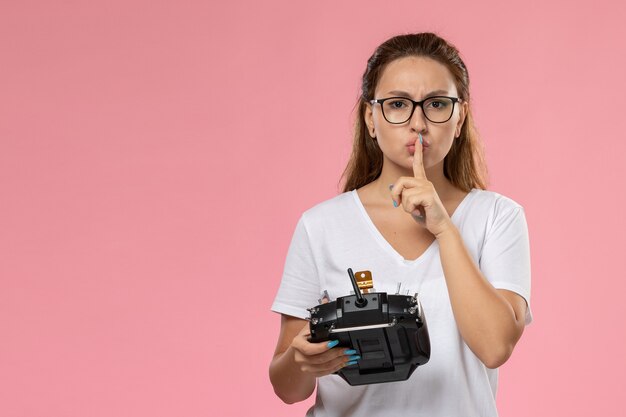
pixel 505 258
pixel 299 287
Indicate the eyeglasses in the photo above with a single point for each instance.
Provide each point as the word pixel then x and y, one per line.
pixel 437 109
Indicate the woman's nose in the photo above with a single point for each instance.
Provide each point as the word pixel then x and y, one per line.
pixel 417 120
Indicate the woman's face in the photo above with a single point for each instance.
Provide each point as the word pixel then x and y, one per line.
pixel 416 78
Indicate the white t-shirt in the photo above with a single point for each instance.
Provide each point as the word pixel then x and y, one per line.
pixel 338 234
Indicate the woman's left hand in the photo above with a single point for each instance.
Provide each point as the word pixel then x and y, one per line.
pixel 418 197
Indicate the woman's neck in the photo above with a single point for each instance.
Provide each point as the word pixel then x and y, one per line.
pixel 434 174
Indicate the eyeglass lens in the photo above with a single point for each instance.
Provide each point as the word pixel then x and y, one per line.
pixel 436 109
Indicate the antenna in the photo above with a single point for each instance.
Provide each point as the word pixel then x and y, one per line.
pixel 360 300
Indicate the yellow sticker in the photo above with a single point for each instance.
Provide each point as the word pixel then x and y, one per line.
pixel 364 281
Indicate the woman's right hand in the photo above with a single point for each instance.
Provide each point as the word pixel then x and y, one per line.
pixel 319 359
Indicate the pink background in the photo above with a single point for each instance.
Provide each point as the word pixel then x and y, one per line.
pixel 156 155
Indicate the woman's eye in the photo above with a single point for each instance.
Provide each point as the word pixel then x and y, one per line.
pixel 397 104
pixel 437 104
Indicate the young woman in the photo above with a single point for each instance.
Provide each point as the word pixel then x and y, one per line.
pixel 414 210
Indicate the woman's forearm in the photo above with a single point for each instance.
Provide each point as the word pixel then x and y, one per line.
pixel 484 317
pixel 289 382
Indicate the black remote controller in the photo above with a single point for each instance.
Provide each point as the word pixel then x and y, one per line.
pixel 388 331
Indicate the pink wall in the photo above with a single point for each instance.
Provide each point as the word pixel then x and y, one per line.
pixel 155 156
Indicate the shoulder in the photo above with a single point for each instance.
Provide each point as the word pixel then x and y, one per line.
pixel 336 210
pixel 488 209
pixel 494 213
pixel 493 202
pixel 337 207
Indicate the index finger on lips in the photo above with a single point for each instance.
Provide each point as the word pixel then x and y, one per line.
pixel 418 159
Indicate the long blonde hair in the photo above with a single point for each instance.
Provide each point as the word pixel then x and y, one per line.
pixel 464 165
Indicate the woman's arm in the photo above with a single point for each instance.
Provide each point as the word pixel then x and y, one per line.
pixel 290 383
pixel 491 321
pixel 297 362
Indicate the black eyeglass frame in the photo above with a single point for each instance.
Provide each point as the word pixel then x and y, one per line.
pixel 415 104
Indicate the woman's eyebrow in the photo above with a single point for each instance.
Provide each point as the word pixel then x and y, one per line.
pixel 432 93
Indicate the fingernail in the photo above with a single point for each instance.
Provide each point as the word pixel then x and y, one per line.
pixel 349 352
pixel 420 135
pixel 394 203
pixel 333 343
pixel 350 363
pixel 354 357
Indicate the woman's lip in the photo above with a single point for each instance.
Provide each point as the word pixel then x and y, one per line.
pixel 412 147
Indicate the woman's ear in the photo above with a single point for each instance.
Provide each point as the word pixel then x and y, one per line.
pixel 369 120
pixel 462 114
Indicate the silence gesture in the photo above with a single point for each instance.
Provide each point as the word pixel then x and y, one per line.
pixel 418 197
